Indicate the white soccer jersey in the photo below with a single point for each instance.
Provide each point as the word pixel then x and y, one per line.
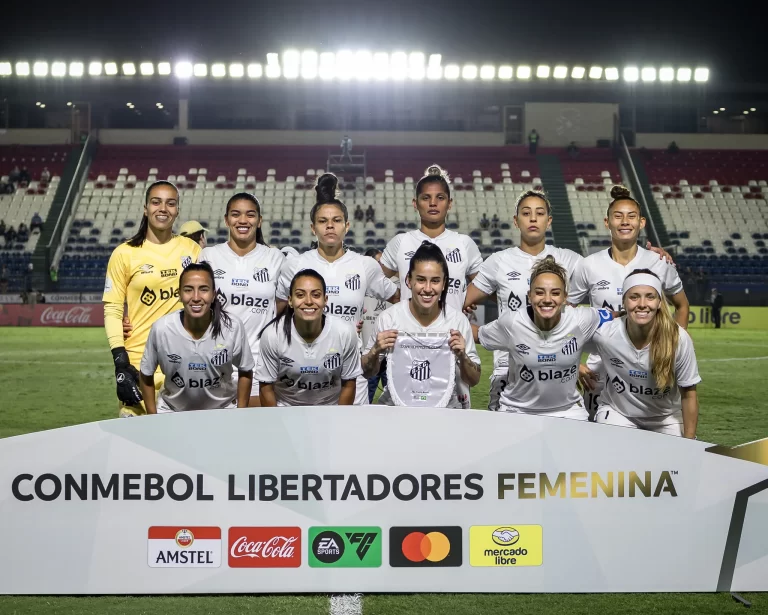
pixel 508 274
pixel 372 307
pixel 599 278
pixel 309 374
pixel 245 285
pixel 399 317
pixel 630 388
pixel 460 251
pixel 543 365
pixel 198 373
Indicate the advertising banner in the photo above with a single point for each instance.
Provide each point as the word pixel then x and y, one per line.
pixel 59 315
pixel 700 317
pixel 10 298
pixel 385 499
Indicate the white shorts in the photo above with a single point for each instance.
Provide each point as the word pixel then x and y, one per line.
pixel 576 412
pixel 254 384
pixel 498 382
pixel 671 425
pixel 592 398
pixel 361 391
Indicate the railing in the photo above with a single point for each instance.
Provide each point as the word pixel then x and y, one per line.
pixel 627 160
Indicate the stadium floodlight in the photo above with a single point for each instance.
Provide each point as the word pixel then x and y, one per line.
pixel 752 109
pixel 345 61
pixel 381 65
pixel 327 65
pixel 200 70
pixel 218 70
pixel 38 103
pixel 666 74
pixel 648 74
pixel 398 65
pixel 59 69
pixel 129 105
pixel 612 73
pixel 434 72
pixel 523 72
pixel 147 69
pixel 40 69
pixel 416 61
pixel 560 72
pixel 129 69
pixel 596 72
pixel 715 112
pixel 452 71
pixel 542 71
pixel 684 74
pixel 722 108
pixel 363 65
pixel 291 64
pixel 273 71
pixel 22 69
pixel 42 105
pixel 95 68
pixel 631 74
pixel 236 70
pixel 69 103
pixel 273 59
pixel 469 72
pixel 183 70
pixel 505 72
pixel 487 72
pixel 701 75
pixel 254 70
pixel 76 69
pixel 164 68
pixel 435 59
pixel 308 64
pixel 578 72
pixel 746 112
pixel 5 69
pixel 159 105
pixel 110 68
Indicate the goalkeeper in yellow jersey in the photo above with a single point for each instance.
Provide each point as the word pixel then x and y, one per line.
pixel 144 273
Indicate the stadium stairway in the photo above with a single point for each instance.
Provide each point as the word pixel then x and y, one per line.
pixel 653 208
pixel 563 224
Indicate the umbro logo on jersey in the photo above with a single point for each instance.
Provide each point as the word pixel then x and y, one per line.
pixel 522 348
pixel 514 302
pixel 353 282
pixel 332 360
pixel 146 268
pixel 178 380
pixel 513 275
pixel 174 358
pixel 186 261
pixel 148 296
pixel 220 358
pixel 602 284
pixel 261 274
pixel 617 362
pixel 409 255
pixel 571 347
pixel 222 298
pixel 286 361
pixel 420 370
pixel 618 384
pixel 526 374
pixel 219 274
pixel 454 256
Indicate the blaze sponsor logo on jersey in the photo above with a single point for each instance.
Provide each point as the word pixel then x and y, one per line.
pixel 148 296
pixel 332 360
pixel 220 358
pixel 261 274
pixel 571 346
pixel 409 255
pixel 264 547
pixel 549 375
pixel 514 302
pixel 331 290
pixel 219 274
pixel 547 358
pixel 526 374
pixel 287 381
pixel 353 282
pixel 636 373
pixel 454 256
pixel 309 369
pixel 239 282
pixel 519 545
pixel 616 362
pixel 178 380
pixel 174 358
pixel 222 297
pixel 522 349
pixel 420 370
pixel 513 275
pixel 186 261
pixel 184 547
pixel 344 547
pixel 346 312
pixel 425 547
pixel 169 273
pixel 146 268
pixel 197 367
pixel 205 383
pixel 618 385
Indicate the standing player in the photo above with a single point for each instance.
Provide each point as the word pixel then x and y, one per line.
pixel 198 349
pixel 544 341
pixel 508 273
pixel 348 276
pixel 600 276
pixel 307 358
pixel 247 271
pixel 650 364
pixel 372 307
pixel 144 274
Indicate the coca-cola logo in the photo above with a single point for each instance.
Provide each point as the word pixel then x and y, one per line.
pixel 75 315
pixel 264 547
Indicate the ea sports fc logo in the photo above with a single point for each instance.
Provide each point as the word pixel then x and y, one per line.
pixel 425 546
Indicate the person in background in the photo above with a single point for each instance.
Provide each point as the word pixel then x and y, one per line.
pixel 484 222
pixel 24 177
pixel 195 231
pixel 359 214
pixel 45 175
pixel 370 214
pixel 372 307
pixel 10 235
pixel 346 149
pixel 3 279
pixel 2 227
pixel 673 148
pixel 495 222
pixel 572 150
pixel 36 223
pixel 533 142
pixel 23 232
pixel 716 306
pixel 13 176
pixel 54 273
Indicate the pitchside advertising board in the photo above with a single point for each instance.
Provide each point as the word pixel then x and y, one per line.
pixel 382 500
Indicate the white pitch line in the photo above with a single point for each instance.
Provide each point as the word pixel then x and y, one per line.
pixel 22 361
pixel 732 359
pixel 346 604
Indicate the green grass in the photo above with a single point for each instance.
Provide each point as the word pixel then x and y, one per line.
pixel 56 377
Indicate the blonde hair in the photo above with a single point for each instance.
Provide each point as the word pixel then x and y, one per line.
pixel 549 265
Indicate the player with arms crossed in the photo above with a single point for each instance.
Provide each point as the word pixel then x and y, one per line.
pixel 545 342
pixel 427 311
pixel 144 273
pixel 348 276
pixel 650 364
pixel 198 349
pixel 307 358
pixel 600 276
pixel 508 273
pixel 247 270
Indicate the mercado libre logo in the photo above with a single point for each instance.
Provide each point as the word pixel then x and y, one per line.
pixel 505 545
pixel 425 547
pixel 344 547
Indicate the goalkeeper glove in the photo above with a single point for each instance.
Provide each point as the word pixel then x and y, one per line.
pixel 127 378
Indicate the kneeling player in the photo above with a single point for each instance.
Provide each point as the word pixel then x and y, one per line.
pixel 197 350
pixel 306 358
pixel 650 362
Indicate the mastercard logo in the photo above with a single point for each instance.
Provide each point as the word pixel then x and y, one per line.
pixel 425 546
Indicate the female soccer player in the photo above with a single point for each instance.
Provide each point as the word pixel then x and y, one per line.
pixel 427 311
pixel 600 276
pixel 198 349
pixel 247 270
pixel 544 341
pixel 348 275
pixel 433 202
pixel 144 273
pixel 307 358
pixel 372 307
pixel 650 363
pixel 508 273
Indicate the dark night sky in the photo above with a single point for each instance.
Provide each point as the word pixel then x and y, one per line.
pixel 727 37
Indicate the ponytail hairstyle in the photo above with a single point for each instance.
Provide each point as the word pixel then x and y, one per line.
pixel 537 194
pixel 549 265
pixel 247 196
pixel 287 315
pixel 138 239
pixel 326 192
pixel 219 315
pixel 434 175
pixel 621 193
pixel 429 252
pixel 664 337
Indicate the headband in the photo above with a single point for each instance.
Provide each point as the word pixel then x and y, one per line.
pixel 641 279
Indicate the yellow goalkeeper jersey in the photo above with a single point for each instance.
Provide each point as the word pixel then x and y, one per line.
pixel 147 278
